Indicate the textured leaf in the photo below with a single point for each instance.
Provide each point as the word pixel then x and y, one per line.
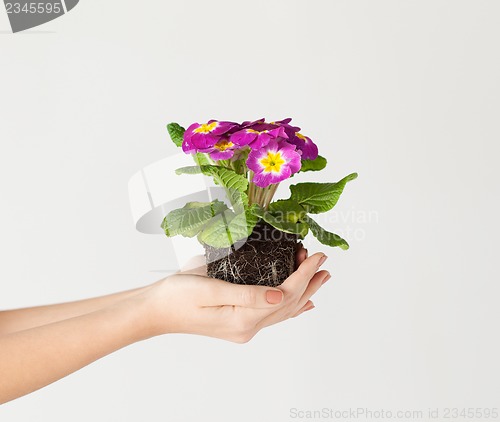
pixel 319 197
pixel 176 133
pixel 319 163
pixel 201 159
pixel 190 219
pixel 228 228
pixel 279 223
pixel 325 237
pixel 222 176
pixel 287 210
pixel 216 232
pixel 234 183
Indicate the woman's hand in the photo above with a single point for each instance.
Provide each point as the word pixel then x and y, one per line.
pixel 189 302
pixel 37 355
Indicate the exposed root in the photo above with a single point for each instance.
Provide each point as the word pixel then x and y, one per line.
pixel 266 258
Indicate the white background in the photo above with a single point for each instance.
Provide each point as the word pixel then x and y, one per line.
pixel 404 92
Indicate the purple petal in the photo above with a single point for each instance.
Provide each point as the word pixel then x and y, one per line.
pixel 221 155
pixel 189 131
pixel 267 178
pixel 249 123
pixel 242 137
pixel 292 158
pixel 253 160
pixel 260 141
pixel 223 127
pixel 306 145
pixel 204 140
pixel 188 147
pixel 284 121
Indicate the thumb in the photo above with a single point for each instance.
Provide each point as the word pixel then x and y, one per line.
pixel 247 296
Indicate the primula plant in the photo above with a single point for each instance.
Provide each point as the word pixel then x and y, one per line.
pixel 251 239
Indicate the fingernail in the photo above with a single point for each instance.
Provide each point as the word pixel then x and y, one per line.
pixel 328 277
pixel 322 260
pixel 274 296
pixel 310 307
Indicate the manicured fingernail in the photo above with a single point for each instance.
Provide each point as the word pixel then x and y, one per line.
pixel 328 277
pixel 274 296
pixel 310 307
pixel 322 260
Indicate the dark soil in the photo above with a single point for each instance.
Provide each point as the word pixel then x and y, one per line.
pixel 267 258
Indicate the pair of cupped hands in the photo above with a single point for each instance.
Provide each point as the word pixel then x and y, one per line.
pixel 192 303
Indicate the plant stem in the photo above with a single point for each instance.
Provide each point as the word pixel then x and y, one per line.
pixel 251 189
pixel 265 199
pixel 269 195
pixel 258 195
pixel 261 196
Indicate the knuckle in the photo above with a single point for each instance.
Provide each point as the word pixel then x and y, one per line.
pixel 293 298
pixel 303 273
pixel 248 296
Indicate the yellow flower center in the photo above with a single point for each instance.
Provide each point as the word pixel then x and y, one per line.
pixel 206 128
pixel 300 136
pixel 272 162
pixel 256 131
pixel 223 145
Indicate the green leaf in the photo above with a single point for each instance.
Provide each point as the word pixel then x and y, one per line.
pixel 222 176
pixel 176 133
pixel 201 159
pixel 190 219
pixel 281 224
pixel 319 163
pixel 215 233
pixel 319 197
pixel 287 210
pixel 234 183
pixel 239 200
pixel 228 228
pixel 325 237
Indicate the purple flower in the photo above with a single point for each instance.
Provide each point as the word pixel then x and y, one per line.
pixel 204 136
pixel 289 129
pixel 273 163
pixel 257 134
pixel 222 150
pixel 249 123
pixel 304 144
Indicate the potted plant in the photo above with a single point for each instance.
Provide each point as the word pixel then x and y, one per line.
pixel 251 239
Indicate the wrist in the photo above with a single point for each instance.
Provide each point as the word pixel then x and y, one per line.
pixel 152 310
pixel 136 312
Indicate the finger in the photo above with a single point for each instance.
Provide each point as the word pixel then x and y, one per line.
pixel 218 293
pixel 307 307
pixel 314 285
pixel 297 283
pixel 293 302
